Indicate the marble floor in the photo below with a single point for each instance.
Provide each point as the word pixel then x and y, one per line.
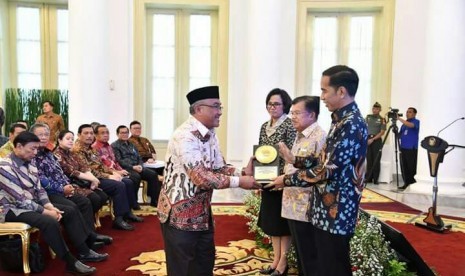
pixel 419 196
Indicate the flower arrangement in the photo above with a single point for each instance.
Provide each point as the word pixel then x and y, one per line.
pixel 370 253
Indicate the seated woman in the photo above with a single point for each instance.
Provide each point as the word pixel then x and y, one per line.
pixel 78 172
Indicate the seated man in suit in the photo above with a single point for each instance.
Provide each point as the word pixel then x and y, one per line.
pixel 128 157
pixel 8 147
pixel 24 200
pixel 143 145
pixel 110 182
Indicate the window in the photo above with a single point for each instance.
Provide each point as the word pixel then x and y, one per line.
pixel 40 46
pixel 345 35
pixel 181 58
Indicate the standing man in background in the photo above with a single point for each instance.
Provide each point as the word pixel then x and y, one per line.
pixel 194 168
pixel 376 128
pixel 409 132
pixel 54 121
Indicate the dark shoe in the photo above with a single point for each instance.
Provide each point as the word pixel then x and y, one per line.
pixel 154 204
pixel 97 245
pixel 136 207
pixel 376 182
pixel 277 273
pixel 122 225
pixel 93 256
pixel 267 270
pixel 403 187
pixel 79 268
pixel 134 218
pixel 104 238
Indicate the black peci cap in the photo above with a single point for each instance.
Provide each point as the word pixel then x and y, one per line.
pixel 208 92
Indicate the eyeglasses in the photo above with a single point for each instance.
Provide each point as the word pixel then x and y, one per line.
pixel 275 105
pixel 124 132
pixel 215 106
pixel 297 113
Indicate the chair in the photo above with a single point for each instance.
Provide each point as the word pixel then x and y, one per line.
pixel 23 230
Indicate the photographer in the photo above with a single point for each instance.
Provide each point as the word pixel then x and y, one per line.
pixel 376 128
pixel 409 146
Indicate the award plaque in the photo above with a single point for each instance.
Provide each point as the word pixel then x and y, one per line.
pixel 266 163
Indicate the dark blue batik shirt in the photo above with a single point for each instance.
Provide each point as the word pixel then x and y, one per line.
pixel 339 174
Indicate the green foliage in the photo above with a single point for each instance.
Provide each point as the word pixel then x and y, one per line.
pixel 25 104
pixel 370 253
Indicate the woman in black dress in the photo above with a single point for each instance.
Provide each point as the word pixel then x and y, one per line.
pixel 278 129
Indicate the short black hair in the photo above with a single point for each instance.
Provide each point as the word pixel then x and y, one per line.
pixel 312 103
pixel 24 138
pixel 96 128
pixel 16 125
pixel 287 101
pixel 120 127
pixel 413 109
pixel 81 127
pixel 342 75
pixel 49 102
pixel 134 123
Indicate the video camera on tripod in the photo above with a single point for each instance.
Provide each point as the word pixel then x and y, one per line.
pixel 393 113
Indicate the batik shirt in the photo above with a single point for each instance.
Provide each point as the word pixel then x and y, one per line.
pixel 6 149
pixel 55 123
pixel 194 167
pixel 70 162
pixel 92 160
pixel 20 189
pixel 143 146
pixel 126 154
pixel 308 144
pixel 107 155
pixel 342 168
pixel 52 177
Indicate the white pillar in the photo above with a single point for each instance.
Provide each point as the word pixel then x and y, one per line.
pixel 100 51
pixel 443 99
pixel 265 61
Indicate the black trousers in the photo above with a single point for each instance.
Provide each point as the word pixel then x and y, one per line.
pixel 333 253
pixel 373 163
pixel 408 161
pixel 48 226
pixel 117 191
pixel 130 186
pixel 303 238
pixel 98 198
pixel 188 253
pixel 80 202
pixel 76 228
pixel 154 186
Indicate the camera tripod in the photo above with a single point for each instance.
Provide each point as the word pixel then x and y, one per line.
pixel 393 127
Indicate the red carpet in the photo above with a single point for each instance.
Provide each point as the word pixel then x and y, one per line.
pixel 146 238
pixel 444 253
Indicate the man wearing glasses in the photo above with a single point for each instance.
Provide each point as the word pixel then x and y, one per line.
pixel 194 168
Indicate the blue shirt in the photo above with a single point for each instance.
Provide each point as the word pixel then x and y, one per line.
pixel 339 173
pixel 52 177
pixel 409 136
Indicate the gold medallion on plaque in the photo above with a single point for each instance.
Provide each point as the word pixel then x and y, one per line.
pixel 266 154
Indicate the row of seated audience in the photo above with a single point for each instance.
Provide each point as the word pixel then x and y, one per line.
pixel 42 184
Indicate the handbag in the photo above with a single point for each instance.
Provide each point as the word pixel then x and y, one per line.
pixel 11 256
pixel 80 182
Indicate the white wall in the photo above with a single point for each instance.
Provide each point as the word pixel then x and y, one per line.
pixel 100 50
pixel 262 57
pixel 428 58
